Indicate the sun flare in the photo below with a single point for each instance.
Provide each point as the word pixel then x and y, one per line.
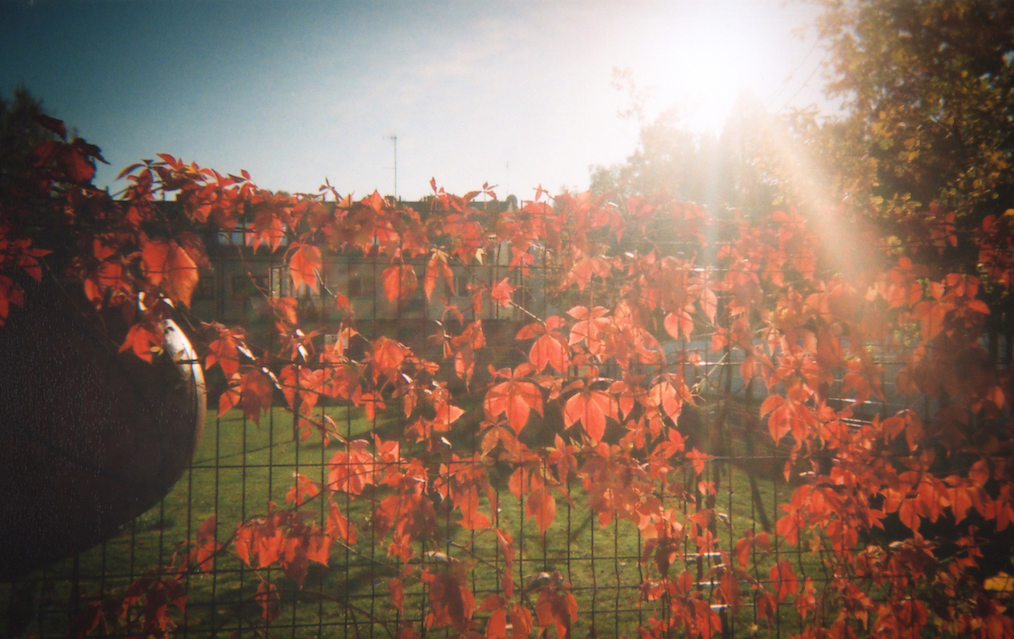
pixel 709 56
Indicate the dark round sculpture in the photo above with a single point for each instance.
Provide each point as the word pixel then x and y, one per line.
pixel 89 437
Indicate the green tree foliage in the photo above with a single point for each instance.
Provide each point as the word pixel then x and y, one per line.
pixel 20 133
pixel 747 167
pixel 927 87
pixel 926 145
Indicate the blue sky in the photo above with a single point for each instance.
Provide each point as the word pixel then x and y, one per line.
pixel 514 93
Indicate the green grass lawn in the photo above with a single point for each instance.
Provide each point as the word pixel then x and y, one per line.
pixel 240 467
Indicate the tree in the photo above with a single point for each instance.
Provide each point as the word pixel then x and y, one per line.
pixel 926 147
pixel 744 168
pixel 21 132
pixel 929 91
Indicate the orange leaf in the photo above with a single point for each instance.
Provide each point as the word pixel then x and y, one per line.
pixel 257 391
pixel 501 292
pixel 338 527
pixel 542 506
pixel 679 322
pixel 304 265
pixel 591 409
pixel 170 267
pixel 908 515
pixel 521 619
pixel 144 340
pixel 435 269
pixel 496 626
pixel 224 352
pixel 665 396
pixel 397 590
pixel 400 282
pixel 784 579
pixel 550 350
pixel 979 473
pixel 269 600
pixel 515 400
pixel 10 293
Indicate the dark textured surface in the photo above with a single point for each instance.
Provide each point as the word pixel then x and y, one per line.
pixel 91 437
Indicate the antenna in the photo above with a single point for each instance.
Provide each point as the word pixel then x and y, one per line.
pixel 394 138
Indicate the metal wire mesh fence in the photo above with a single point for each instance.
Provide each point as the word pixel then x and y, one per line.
pixel 244 471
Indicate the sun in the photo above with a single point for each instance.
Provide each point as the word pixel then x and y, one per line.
pixel 707 57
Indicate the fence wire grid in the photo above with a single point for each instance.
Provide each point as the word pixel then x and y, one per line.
pixel 240 467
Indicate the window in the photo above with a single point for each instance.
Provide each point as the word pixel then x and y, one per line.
pixel 241 236
pixel 361 285
pixel 245 286
pixel 205 287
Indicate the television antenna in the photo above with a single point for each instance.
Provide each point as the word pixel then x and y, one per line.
pixel 394 138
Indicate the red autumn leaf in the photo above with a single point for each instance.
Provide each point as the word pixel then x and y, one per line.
pixel 350 471
pixel 76 160
pixel 10 293
pixel 542 506
pixel 557 609
pixel 979 473
pixel 268 599
pixel 784 580
pixel 471 517
pixel 506 543
pixel 267 228
pixel 400 282
pixel 52 124
pixel 256 393
pixel 86 620
pixel 341 302
pixel 170 267
pixel 338 527
pixel 550 350
pixel 28 261
pixel 699 460
pixel 709 303
pixel 707 619
pixel 224 351
pixel 501 292
pixel 521 619
pixel 742 550
pixel 788 528
pixel 591 328
pixel 318 547
pixel 437 268
pixel 206 547
pixel 304 266
pixel 387 358
pixel 591 408
pixel 665 396
pixel 451 601
pixel 371 403
pixel 144 340
pixel 496 625
pixel 584 269
pixel 766 606
pixel 303 488
pixel 397 591
pixel 194 247
pixel 514 399
pixel 307 383
pixel 295 560
pixel 679 322
pixel 908 514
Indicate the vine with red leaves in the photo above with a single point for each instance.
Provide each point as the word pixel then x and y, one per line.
pixel 898 507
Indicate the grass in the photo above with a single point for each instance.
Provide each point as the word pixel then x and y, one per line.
pixel 240 467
